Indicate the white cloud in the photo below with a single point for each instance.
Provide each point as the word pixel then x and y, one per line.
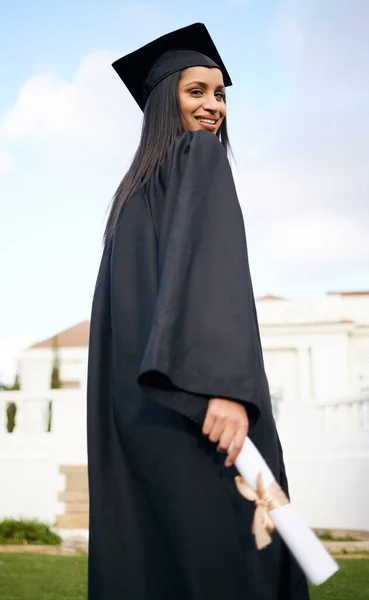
pixel 85 111
pixel 93 106
pixel 6 162
pixel 303 166
pixel 318 242
pixel 72 139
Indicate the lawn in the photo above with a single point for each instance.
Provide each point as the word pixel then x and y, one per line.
pixel 350 583
pixel 38 577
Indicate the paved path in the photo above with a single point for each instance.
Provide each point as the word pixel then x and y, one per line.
pixel 78 545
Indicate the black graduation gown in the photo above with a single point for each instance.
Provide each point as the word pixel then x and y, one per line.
pixel 173 324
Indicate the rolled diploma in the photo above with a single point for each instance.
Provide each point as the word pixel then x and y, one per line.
pixel 317 564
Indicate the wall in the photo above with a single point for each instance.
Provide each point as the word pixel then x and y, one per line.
pixel 359 360
pixel 326 453
pixel 331 491
pixel 30 458
pixel 311 362
pixel 317 359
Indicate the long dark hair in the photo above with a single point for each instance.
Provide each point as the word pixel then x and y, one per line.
pixel 160 127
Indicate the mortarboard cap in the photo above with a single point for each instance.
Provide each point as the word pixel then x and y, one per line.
pixel 144 68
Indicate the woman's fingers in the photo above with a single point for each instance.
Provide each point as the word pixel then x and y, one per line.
pixel 217 430
pixel 227 437
pixel 226 421
pixel 238 442
pixel 208 423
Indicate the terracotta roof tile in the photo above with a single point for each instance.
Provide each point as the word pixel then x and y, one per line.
pixel 74 337
pixel 358 293
pixel 270 298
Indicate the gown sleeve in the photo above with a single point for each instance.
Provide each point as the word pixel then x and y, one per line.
pixel 204 339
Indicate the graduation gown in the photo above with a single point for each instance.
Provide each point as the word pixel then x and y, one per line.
pixel 173 324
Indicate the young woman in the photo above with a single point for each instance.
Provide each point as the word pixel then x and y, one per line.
pixel 175 365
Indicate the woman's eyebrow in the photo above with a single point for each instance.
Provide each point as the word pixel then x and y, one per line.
pixel 204 85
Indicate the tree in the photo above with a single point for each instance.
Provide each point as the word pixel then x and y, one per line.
pixel 16 385
pixel 11 409
pixel 55 382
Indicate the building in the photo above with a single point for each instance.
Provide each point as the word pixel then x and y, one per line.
pixel 70 347
pixel 316 356
pixel 315 351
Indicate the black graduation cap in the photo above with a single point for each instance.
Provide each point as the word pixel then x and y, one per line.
pixel 190 46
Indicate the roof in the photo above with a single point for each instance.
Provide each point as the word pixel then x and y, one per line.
pixel 324 323
pixel 270 298
pixel 74 337
pixel 358 293
pixel 78 335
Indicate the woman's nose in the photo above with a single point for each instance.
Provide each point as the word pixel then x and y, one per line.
pixel 210 103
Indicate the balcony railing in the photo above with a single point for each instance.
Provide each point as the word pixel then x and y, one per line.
pixel 346 416
pixel 68 412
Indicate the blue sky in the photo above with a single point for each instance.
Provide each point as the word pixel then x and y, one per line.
pixel 40 37
pixel 298 115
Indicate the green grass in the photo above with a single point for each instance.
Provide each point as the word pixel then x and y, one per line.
pixel 39 577
pixel 350 583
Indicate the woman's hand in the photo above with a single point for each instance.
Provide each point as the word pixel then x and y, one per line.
pixel 226 421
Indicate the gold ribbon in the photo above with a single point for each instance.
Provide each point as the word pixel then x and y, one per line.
pixel 265 500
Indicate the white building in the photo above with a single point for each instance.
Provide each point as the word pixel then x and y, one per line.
pixel 315 351
pixel 35 363
pixel 317 360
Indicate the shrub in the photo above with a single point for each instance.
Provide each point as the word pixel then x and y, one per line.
pixel 24 531
pixel 11 411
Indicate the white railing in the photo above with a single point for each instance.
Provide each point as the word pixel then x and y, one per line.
pixel 68 415
pixel 346 416
pixel 325 447
pixel 31 457
pixel 31 414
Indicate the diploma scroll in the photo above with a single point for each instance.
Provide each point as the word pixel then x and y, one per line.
pixel 273 510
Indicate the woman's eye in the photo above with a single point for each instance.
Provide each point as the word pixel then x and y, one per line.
pixel 219 95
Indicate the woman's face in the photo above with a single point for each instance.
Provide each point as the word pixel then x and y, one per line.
pixel 202 99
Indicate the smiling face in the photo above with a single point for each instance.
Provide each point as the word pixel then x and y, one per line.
pixel 202 99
